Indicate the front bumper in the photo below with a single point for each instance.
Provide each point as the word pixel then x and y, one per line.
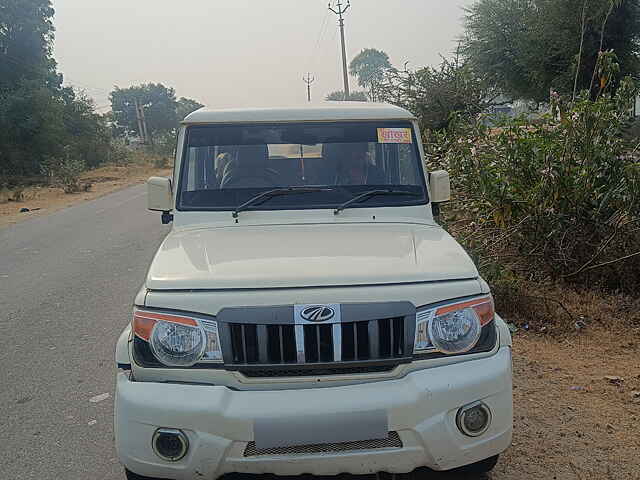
pixel 219 422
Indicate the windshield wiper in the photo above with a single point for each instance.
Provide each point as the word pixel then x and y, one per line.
pixel 372 193
pixel 264 196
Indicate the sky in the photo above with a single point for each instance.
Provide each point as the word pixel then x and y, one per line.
pixel 241 53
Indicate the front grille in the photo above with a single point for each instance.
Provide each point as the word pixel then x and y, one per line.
pixel 392 441
pixel 314 371
pixel 318 344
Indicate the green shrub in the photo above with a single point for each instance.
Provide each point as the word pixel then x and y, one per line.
pixel 120 154
pixel 65 172
pixel 555 198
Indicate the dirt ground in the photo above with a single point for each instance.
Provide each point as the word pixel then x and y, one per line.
pixel 41 200
pixel 570 421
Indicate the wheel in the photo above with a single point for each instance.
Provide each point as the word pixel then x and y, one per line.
pixel 134 476
pixel 483 466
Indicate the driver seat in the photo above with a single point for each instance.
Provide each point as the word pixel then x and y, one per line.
pixel 249 169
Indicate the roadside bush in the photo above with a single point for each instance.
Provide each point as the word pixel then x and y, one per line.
pixel 120 155
pixel 65 172
pixel 160 161
pixel 558 198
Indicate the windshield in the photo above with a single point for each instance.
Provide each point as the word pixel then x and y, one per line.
pixel 225 166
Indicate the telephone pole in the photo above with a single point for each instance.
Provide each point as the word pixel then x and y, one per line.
pixel 308 80
pixel 139 118
pixel 340 11
pixel 147 137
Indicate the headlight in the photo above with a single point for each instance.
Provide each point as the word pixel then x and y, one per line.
pixel 176 340
pixel 453 328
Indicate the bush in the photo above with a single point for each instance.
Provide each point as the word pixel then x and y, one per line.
pixel 556 198
pixel 65 172
pixel 120 155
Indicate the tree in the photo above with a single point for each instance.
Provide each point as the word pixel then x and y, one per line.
pixel 40 121
pixel 159 103
pixel 529 47
pixel 369 67
pixel 439 95
pixel 26 39
pixel 338 96
pixel 185 106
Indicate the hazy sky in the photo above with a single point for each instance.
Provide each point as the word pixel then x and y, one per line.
pixel 227 53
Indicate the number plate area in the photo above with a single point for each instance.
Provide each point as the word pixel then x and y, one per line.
pixel 317 429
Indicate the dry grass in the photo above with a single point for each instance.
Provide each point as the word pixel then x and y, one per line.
pixel 562 309
pixel 530 298
pixel 41 199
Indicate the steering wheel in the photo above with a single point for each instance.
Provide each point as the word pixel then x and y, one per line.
pixel 251 180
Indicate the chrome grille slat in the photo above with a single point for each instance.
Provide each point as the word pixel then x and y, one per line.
pixel 392 441
pixel 281 345
pixel 337 342
pixel 318 342
pixel 355 341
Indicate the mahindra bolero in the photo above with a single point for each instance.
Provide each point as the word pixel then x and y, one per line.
pixel 306 313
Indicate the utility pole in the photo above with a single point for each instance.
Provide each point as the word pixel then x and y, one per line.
pixel 340 11
pixel 139 118
pixel 308 80
pixel 147 137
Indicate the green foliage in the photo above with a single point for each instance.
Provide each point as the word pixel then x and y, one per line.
pixel 39 119
pixel 558 197
pixel 159 103
pixel 166 143
pixel 120 154
pixel 65 171
pixel 26 36
pixel 338 96
pixel 369 66
pixel 162 111
pixel 528 47
pixel 185 106
pixel 438 95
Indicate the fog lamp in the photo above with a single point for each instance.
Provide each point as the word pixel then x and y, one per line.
pixel 170 444
pixel 473 420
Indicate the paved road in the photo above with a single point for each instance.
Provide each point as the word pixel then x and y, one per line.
pixel 67 281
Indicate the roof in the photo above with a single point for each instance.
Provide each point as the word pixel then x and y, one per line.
pixel 312 112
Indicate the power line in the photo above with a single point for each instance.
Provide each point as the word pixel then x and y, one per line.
pixel 323 27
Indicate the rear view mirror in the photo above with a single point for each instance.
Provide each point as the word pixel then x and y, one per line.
pixel 159 194
pixel 439 186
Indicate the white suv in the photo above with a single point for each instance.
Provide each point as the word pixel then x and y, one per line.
pixel 306 313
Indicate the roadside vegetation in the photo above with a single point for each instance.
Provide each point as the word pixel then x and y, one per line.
pixel 547 198
pixel 52 133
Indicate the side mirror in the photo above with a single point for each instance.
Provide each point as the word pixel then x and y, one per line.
pixel 440 189
pixel 440 186
pixel 160 196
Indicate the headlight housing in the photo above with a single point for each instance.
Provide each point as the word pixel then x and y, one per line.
pixel 453 328
pixel 177 340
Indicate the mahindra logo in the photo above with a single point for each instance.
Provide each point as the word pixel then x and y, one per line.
pixel 317 313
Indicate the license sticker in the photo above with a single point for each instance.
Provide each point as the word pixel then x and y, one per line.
pixel 394 135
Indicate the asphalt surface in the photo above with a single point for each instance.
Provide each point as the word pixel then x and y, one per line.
pixel 67 283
